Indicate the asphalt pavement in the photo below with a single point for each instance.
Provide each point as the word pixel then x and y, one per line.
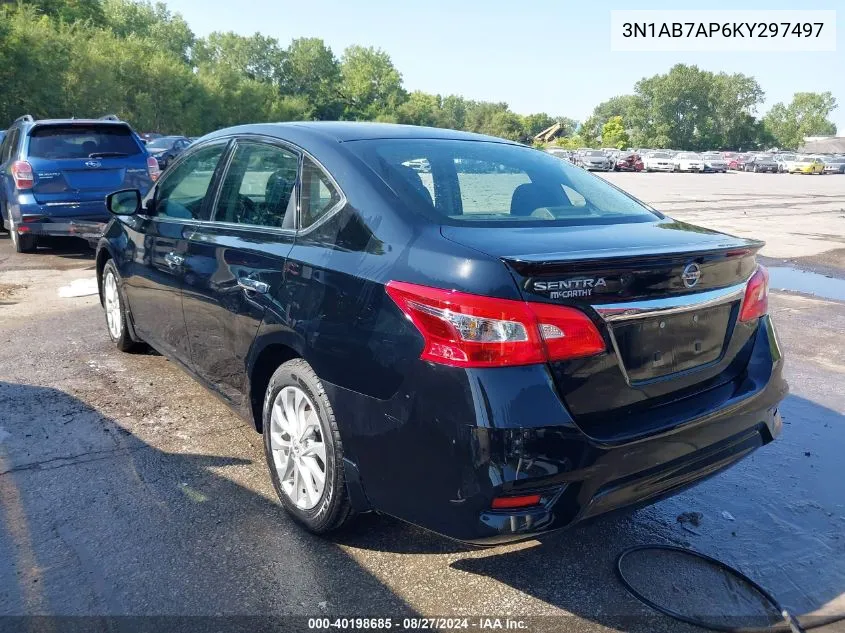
pixel 127 489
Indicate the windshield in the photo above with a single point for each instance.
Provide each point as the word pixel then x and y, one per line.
pixel 165 142
pixel 660 155
pixel 595 152
pixel 82 141
pixel 765 157
pixel 691 155
pixel 477 182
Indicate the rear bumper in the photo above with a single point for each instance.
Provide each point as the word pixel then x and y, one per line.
pixel 439 454
pixel 90 231
pixel 85 220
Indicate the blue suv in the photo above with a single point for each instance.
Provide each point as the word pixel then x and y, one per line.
pixel 55 175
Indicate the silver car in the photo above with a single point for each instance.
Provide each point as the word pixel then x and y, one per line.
pixel 834 165
pixel 595 160
pixel 713 162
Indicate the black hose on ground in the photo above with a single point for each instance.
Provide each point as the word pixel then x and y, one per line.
pixel 791 624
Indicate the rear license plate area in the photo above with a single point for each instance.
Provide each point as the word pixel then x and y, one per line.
pixel 655 347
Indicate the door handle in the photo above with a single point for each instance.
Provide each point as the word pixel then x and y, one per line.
pixel 248 283
pixel 173 260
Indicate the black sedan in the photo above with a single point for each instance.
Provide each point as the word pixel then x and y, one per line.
pixel 498 347
pixel 165 148
pixel 761 163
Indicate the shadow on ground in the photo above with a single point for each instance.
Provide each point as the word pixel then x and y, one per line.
pixel 778 516
pixel 96 521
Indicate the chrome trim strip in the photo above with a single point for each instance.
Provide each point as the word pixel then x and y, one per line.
pixel 612 312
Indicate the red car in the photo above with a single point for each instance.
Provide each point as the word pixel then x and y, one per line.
pixel 629 162
pixel 737 161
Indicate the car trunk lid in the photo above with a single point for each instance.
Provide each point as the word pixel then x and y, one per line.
pixel 665 294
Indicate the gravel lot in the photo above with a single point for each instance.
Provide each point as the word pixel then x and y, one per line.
pixel 127 489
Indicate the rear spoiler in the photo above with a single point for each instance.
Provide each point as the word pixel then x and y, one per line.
pixel 573 261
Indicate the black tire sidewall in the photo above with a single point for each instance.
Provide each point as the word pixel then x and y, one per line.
pixel 323 516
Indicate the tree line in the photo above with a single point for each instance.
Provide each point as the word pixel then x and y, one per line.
pixel 61 58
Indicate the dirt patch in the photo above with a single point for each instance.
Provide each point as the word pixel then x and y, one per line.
pixel 7 291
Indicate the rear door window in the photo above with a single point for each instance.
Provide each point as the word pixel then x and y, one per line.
pixel 10 145
pixel 56 142
pixel 319 194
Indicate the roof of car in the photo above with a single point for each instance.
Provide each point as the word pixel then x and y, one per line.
pixel 342 131
pixel 39 122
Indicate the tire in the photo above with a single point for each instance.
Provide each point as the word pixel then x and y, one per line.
pixel 114 309
pixel 319 510
pixel 22 243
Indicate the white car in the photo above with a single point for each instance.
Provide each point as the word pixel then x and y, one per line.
pixel 658 161
pixel 785 161
pixel 688 161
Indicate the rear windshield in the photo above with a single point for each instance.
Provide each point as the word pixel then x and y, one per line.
pixel 478 182
pixel 82 141
pixel 165 142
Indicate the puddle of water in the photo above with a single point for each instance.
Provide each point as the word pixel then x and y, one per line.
pixel 785 278
pixel 80 288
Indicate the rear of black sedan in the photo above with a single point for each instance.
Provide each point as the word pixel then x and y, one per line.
pixel 496 346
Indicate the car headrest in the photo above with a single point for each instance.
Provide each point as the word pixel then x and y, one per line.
pixel 277 192
pixel 412 178
pixel 530 196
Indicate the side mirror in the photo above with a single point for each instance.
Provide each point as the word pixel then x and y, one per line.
pixel 124 202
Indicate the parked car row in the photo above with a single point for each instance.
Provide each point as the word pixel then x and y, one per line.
pixel 714 162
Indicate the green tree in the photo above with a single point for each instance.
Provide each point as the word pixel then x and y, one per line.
pixel 256 57
pixel 689 108
pixel 421 108
pixel 613 134
pixel 806 115
pixel 310 71
pixel 142 19
pixel 370 83
pixel 533 124
pixel 70 11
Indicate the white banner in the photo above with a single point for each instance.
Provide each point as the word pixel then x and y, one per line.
pixel 723 30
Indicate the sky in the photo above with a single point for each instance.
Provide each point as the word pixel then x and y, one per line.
pixel 536 55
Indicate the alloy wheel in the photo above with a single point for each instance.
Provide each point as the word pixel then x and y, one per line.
pixel 298 447
pixel 112 305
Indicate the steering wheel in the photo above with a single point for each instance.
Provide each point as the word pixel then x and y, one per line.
pixel 246 208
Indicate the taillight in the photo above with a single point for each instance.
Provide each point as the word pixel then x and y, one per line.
pixel 756 301
pixel 466 330
pixel 153 168
pixel 507 503
pixel 22 175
